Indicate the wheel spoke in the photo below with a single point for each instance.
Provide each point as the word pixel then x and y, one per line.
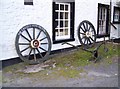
pixel 39 53
pixel 28 34
pixel 39 34
pixel 82 33
pixel 84 40
pixel 87 26
pixel 43 49
pixel 33 33
pixel 34 54
pixel 91 39
pixel 84 27
pixel 25 37
pixel 43 38
pixel 25 49
pixel 23 43
pixel 29 53
pixel 43 43
pixel 87 41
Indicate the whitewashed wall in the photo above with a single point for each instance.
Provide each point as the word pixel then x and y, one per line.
pixel 14 15
pixel 115 33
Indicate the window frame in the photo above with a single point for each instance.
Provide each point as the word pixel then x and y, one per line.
pixel 72 17
pixel 116 8
pixel 107 21
pixel 28 2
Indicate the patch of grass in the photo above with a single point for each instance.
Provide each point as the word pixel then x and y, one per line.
pixel 68 72
pixel 71 61
pixel 78 58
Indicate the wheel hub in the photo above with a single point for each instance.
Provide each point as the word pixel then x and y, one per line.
pixel 88 34
pixel 35 43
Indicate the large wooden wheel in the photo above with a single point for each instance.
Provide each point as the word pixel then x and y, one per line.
pixel 33 44
pixel 86 34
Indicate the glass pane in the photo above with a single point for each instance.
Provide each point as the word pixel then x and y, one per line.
pixel 61 7
pixel 61 32
pixel 66 15
pixel 56 6
pixel 61 15
pixel 66 7
pixel 61 23
pixel 101 14
pixel 66 23
pixel 56 33
pixel 66 31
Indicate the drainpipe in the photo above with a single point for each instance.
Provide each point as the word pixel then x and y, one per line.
pixel 110 13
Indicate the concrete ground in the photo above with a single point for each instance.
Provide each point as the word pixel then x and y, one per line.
pixel 101 74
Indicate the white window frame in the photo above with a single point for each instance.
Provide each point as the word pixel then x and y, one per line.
pixel 60 36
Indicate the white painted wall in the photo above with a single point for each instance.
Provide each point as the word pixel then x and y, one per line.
pixel 14 15
pixel 115 33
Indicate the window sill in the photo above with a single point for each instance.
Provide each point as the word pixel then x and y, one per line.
pixel 65 40
pixel 116 22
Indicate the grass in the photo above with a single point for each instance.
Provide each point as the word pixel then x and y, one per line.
pixel 67 63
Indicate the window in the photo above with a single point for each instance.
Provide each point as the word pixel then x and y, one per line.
pixel 63 21
pixel 103 20
pixel 28 2
pixel 116 15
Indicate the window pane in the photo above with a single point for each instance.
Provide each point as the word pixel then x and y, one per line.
pixel 66 31
pixel 61 23
pixel 66 7
pixel 56 33
pixel 66 15
pixel 61 15
pixel 56 6
pixel 61 7
pixel 66 23
pixel 61 32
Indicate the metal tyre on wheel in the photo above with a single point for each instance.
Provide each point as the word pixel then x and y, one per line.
pixel 33 44
pixel 86 34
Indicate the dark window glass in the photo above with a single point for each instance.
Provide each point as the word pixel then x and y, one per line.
pixel 61 30
pixel 61 7
pixel 66 7
pixel 66 23
pixel 61 23
pixel 61 15
pixel 66 15
pixel 56 6
pixel 28 2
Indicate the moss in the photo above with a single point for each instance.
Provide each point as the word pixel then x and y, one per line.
pixel 68 73
pixel 67 64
